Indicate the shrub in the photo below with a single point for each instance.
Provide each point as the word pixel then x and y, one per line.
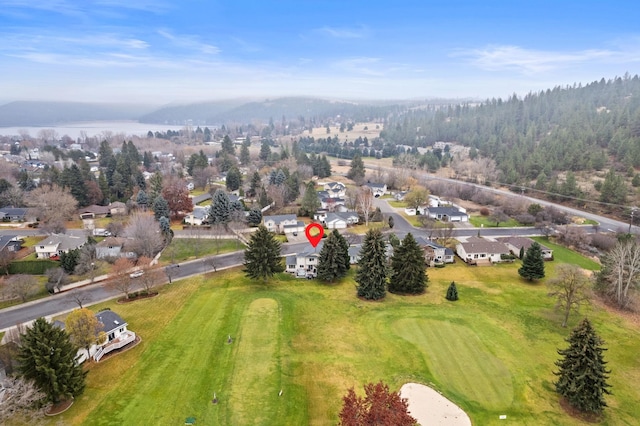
pixel 485 211
pixel 452 292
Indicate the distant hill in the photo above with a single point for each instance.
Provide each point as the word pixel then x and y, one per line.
pixel 214 113
pixel 33 113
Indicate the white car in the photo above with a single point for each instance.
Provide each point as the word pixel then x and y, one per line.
pixel 136 274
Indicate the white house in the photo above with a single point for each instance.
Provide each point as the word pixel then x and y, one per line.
pixel 378 189
pixel 56 244
pixel 478 250
pixel 198 216
pixel 277 223
pixel 514 244
pixel 116 336
pixel 331 204
pixel 305 264
pixel 113 248
pixel 335 189
pixel 447 214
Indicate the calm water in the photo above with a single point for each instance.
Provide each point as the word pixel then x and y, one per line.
pixel 95 128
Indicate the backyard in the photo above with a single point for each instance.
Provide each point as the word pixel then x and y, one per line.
pixel 492 352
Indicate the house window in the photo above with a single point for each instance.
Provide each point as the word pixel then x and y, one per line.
pixel 41 247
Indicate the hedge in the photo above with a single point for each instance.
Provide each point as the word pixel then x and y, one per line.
pixel 32 267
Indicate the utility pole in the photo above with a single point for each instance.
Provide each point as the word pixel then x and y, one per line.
pixel 633 212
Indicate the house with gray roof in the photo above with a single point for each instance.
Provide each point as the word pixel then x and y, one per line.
pixel 10 243
pixel 378 189
pixel 434 253
pixel 197 217
pixel 12 214
pixel 515 244
pixel 480 251
pixel 56 244
pixel 278 223
pixel 447 214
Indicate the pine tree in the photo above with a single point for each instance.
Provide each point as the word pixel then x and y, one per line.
pixel 356 172
pixel 582 376
pixel 245 156
pixel 255 217
pixel 234 179
pixel 265 151
pixel 372 267
pixel 262 256
pixel 220 209
pixel 48 357
pixel 227 146
pixel 344 248
pixel 160 207
pixel 408 274
pixel 142 200
pixel 331 263
pixel 452 292
pixel 533 263
pixel 310 201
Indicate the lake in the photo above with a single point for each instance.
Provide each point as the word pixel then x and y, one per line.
pixel 73 130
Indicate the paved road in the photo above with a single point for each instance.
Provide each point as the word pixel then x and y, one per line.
pixel 606 224
pixel 95 293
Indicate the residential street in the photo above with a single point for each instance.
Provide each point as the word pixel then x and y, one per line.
pixel 94 293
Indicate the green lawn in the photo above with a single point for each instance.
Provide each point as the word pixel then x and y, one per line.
pixel 492 352
pixel 563 255
pixel 182 249
pixel 485 222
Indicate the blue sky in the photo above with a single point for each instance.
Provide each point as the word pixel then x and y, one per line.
pixel 160 51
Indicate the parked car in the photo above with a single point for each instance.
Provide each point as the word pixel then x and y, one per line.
pixel 136 274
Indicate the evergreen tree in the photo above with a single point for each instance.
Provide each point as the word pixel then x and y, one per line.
pixel 372 267
pixel 227 146
pixel 255 217
pixel 533 263
pixel 142 200
pixel 344 248
pixel 256 184
pixel 262 256
pixel 356 172
pixel 165 229
pixel 234 179
pixel 245 156
pixel 408 271
pixel 220 210
pixel 582 376
pixel 265 151
pixel 69 260
pixel 332 264
pixel 452 292
pixel 613 189
pixel 160 207
pixel 48 357
pixel 310 202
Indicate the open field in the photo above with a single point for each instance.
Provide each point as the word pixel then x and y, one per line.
pixel 182 249
pixel 492 352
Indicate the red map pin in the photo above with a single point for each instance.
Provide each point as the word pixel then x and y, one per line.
pixel 314 233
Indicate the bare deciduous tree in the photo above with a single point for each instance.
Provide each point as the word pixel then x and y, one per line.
pixel 365 203
pixel 52 205
pixel 152 274
pixel 22 402
pixel 119 277
pixel 620 274
pixel 56 278
pixel 22 286
pixel 79 298
pixel 571 288
pixel 6 257
pixel 146 235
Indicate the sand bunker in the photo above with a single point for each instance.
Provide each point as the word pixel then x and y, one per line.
pixel 431 408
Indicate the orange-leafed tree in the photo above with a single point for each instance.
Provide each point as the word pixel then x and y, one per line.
pixel 379 407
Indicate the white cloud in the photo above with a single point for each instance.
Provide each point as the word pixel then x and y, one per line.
pixel 345 33
pixel 531 61
pixel 189 42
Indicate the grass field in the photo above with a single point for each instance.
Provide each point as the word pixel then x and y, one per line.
pixel 182 249
pixel 492 352
pixel 486 222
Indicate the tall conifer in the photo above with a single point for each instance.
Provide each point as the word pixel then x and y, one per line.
pixel 262 256
pixel 372 267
